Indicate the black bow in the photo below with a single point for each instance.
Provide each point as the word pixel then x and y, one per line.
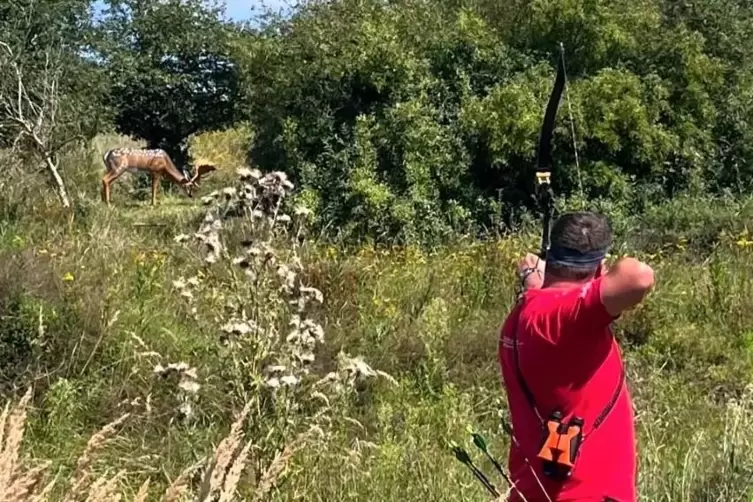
pixel 544 192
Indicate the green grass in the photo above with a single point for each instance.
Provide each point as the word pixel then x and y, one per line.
pixel 99 283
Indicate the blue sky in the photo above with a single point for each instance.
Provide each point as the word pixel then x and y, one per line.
pixel 241 10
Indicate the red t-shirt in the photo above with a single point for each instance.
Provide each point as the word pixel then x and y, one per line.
pixel 570 360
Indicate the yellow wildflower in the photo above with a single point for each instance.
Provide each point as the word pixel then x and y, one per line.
pixel 68 277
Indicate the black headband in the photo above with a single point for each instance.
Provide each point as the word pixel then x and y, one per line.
pixel 569 257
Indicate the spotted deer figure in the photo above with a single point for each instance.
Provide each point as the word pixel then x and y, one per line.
pixel 155 162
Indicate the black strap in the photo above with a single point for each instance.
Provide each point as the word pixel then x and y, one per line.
pixel 522 381
pixel 612 402
pixel 529 395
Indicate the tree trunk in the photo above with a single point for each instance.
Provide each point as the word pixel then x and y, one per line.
pixel 59 185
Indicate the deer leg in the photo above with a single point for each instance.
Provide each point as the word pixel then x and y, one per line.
pixel 107 180
pixel 104 190
pixel 155 185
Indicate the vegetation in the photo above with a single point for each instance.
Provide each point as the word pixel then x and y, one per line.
pixel 321 321
pixel 170 73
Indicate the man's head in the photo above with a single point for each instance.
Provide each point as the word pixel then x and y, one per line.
pixel 579 242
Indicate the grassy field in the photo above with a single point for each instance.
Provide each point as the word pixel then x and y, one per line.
pixel 97 303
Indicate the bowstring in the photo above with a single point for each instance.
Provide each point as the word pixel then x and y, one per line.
pixel 573 137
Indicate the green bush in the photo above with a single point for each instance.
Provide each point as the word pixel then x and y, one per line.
pixel 415 122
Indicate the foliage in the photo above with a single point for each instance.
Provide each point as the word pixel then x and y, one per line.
pixel 169 70
pixel 105 328
pixel 36 30
pixel 404 122
pixel 410 121
pixel 254 291
pixel 225 149
pixel 415 121
pixel 48 92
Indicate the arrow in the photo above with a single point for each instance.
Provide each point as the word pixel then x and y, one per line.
pixel 463 457
pixel 507 427
pixel 480 443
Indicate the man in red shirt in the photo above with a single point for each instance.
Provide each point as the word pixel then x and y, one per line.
pixel 568 361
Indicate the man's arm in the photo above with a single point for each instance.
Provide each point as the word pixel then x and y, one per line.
pixel 625 285
pixel 531 271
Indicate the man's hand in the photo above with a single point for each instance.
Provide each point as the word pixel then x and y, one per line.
pixel 531 271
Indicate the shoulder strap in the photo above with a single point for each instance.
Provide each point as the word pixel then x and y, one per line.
pixel 615 396
pixel 516 361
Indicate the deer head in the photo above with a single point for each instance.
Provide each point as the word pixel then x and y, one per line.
pixel 188 186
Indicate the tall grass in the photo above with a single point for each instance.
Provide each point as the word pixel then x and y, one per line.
pixel 141 366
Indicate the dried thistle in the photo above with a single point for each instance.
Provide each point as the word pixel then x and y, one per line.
pixel 262 286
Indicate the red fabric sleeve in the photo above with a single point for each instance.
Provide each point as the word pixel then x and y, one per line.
pixel 584 309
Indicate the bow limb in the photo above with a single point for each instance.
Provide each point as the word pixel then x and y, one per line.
pixel 544 157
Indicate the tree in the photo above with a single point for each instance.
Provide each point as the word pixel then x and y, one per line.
pixel 49 92
pixel 170 71
pixel 31 112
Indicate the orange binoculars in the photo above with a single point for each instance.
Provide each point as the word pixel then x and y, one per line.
pixel 561 444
